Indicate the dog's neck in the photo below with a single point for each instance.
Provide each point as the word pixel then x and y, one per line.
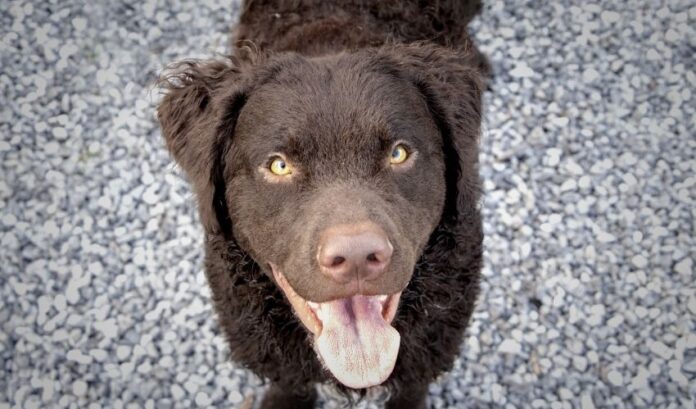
pixel 319 27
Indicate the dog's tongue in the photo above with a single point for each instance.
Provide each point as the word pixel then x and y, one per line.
pixel 357 345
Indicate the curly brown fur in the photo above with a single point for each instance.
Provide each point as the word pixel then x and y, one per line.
pixel 286 25
pixel 200 112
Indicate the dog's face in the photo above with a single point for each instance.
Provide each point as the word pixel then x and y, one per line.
pixel 327 154
pixel 331 173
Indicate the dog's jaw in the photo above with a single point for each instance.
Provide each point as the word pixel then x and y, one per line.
pixel 352 336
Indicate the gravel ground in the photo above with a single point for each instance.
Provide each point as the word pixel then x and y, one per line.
pixel 588 161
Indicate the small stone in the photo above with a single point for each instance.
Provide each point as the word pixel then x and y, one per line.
pixel 559 121
pixel 8 219
pixel 690 366
pixel 586 401
pixel 77 356
pixel 177 392
pixel 653 55
pixel 590 75
pixel 51 148
pixel 604 237
pixel 671 36
pixel 150 196
pixel 59 302
pixel 202 399
pixel 497 393
pixel 107 327
pixel 79 388
pixel 183 17
pixel 565 394
pixel 235 397
pixel 615 321
pixel 660 349
pixel 59 133
pixel 99 354
pixel 594 320
pixel 553 156
pixel 598 309
pixel 615 378
pixel 521 70
pixel 79 23
pixel 580 363
pixel 573 168
pixel 568 185
pixel 167 362
pixel 190 386
pixel 123 352
pixel 510 346
pixel 639 261
pixel 104 202
pixel 692 304
pixel 610 17
pixel 67 50
pixel 684 267
pixel 640 381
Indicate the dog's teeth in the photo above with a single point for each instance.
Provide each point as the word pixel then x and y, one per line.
pixel 313 305
pixel 382 298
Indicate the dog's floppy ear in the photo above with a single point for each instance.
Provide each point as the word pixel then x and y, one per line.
pixel 452 83
pixel 197 116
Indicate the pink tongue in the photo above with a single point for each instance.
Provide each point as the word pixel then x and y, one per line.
pixel 357 345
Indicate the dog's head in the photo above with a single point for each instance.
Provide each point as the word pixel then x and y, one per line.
pixel 332 173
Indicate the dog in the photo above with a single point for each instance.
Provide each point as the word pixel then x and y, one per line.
pixel 334 158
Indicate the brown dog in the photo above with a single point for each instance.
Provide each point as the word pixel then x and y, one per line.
pixel 337 183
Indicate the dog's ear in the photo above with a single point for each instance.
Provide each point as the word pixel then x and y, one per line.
pixel 197 115
pixel 452 84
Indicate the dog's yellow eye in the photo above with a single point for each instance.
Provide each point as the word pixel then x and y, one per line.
pixel 279 167
pixel 398 155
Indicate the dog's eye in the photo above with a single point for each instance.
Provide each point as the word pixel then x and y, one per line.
pixel 398 155
pixel 279 167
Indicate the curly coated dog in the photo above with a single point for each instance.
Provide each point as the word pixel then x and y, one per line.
pixel 335 162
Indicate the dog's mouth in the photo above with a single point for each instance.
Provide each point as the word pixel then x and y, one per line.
pixel 352 335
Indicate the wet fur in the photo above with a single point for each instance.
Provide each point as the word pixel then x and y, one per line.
pixel 203 98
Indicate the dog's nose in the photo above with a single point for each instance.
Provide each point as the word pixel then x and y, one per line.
pixel 354 252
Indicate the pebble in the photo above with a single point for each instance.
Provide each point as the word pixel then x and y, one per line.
pixel 660 349
pixel 79 23
pixel 177 392
pixel 615 378
pixel 510 346
pixel 590 75
pixel 684 267
pixel 640 381
pixel 521 70
pixel 553 157
pixel 586 401
pixel 107 327
pixel 580 363
pixel 639 261
pixel 610 17
pixel 202 399
pixel 79 357
pixel 60 133
pixel 615 321
pixel 79 388
pixel 235 397
pixel 123 352
pixel 573 168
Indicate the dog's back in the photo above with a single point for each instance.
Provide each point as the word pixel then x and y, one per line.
pixel 315 27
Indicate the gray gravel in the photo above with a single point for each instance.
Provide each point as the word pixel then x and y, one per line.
pixel 589 168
